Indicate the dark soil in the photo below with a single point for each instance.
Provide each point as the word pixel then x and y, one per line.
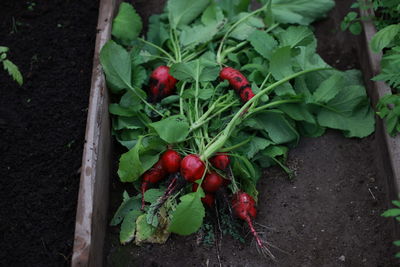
pixel 42 126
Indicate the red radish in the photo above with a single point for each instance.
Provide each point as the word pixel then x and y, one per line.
pixel 161 83
pixel 220 161
pixel 212 182
pixel 244 207
pixel 238 82
pixel 152 176
pixel 171 161
pixel 208 199
pixel 192 168
pixel 194 187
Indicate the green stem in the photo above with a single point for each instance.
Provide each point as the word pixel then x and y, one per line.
pixel 204 119
pixel 228 149
pixel 232 49
pixel 172 38
pixel 269 105
pixel 159 49
pixel 219 59
pixel 181 99
pixel 220 141
pixel 176 41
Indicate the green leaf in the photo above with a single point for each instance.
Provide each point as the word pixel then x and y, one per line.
pixel 281 65
pixel 4 49
pixel 396 243
pixel 139 76
pixel 132 123
pixel 391 213
pixel 212 14
pixel 116 109
pixel 128 227
pixel 143 230
pixel 157 33
pixel 140 158
pixel 127 24
pixel 173 129
pixel 153 194
pixel 234 7
pixel 298 112
pixel 183 12
pixel 329 88
pixel 13 70
pixel 256 144
pixel 198 34
pixel 129 205
pixel 355 28
pixel 275 124
pixel 263 43
pixel 384 37
pixel 116 64
pixel 302 12
pixel 131 101
pixel 246 28
pixel 189 214
pixel 200 70
pixel 296 36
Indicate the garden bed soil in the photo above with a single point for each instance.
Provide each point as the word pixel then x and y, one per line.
pixel 42 126
pixel 329 215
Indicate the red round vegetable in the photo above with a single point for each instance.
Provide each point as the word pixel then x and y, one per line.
pixel 171 161
pixel 220 161
pixel 208 199
pixel 152 176
pixel 192 168
pixel 161 83
pixel 238 82
pixel 212 182
pixel 244 207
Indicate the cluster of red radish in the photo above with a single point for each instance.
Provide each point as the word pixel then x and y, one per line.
pixel 191 167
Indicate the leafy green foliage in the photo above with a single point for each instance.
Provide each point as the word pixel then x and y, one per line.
pixel 173 129
pixel 189 214
pixel 182 12
pixel 395 213
pixel 294 97
pixel 116 64
pixel 140 158
pixel 302 12
pixel 127 24
pixel 9 66
pixel 352 22
pixel 384 37
pixel 389 110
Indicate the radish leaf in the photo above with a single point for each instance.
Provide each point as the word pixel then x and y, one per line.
pixel 183 12
pixel 189 214
pixel 127 24
pixel 173 129
pixel 263 43
pixel 127 206
pixel 116 65
pixel 128 226
pixel 302 12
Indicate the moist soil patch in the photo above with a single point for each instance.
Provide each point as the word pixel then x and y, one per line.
pixel 42 126
pixel 328 215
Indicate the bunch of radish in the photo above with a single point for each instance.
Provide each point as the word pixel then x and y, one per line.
pixel 194 146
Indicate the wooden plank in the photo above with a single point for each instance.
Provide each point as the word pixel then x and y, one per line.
pixel 389 147
pixel 92 206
